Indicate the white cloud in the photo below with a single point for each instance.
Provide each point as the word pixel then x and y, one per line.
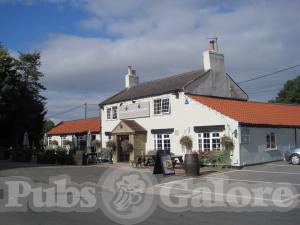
pixel 167 37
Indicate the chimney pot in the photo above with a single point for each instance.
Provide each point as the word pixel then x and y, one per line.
pixel 130 70
pixel 212 45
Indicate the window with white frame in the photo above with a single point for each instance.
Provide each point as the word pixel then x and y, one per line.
pixel 162 142
pixel 64 141
pixel 108 113
pixel 208 141
pixel 115 112
pixel 49 140
pixel 112 113
pixel 161 106
pixel 271 141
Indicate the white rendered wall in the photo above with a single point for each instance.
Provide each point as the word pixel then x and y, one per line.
pixel 183 118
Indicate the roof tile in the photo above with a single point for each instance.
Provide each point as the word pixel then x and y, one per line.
pixel 77 126
pixel 256 113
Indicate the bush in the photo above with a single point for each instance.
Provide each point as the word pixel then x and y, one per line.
pixel 61 156
pixel 215 158
pixel 47 157
pixel 4 153
pixel 22 155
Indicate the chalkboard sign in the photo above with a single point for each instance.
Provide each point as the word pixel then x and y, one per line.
pixel 163 163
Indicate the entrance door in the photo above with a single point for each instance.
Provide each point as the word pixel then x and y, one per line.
pixel 123 156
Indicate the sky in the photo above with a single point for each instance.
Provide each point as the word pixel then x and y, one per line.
pixel 86 45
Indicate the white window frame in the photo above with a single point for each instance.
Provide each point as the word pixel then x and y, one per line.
pixel 161 106
pixel 112 113
pixel 165 140
pixel 208 138
pixel 49 141
pixel 271 134
pixel 108 113
pixel 63 138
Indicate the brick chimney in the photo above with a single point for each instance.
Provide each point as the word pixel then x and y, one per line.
pixel 212 59
pixel 131 79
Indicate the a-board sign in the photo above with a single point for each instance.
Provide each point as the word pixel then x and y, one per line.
pixel 163 163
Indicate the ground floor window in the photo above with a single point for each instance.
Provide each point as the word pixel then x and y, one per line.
pixel 208 141
pixel 271 141
pixel 162 142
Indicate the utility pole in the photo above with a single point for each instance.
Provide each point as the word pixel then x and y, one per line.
pixel 85 110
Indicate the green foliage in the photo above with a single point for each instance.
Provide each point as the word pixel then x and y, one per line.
pixel 111 146
pixel 227 143
pixel 215 158
pixel 48 125
pixel 290 93
pixel 54 142
pixel 126 146
pixel 186 142
pixel 22 108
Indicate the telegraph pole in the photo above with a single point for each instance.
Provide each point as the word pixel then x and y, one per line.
pixel 85 110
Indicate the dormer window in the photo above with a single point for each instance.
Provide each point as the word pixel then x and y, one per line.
pixel 161 106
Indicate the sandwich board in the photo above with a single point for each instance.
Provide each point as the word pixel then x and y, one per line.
pixel 163 163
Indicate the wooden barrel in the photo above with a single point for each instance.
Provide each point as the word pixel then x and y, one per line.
pixel 191 165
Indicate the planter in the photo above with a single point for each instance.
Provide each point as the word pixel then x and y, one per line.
pixel 191 165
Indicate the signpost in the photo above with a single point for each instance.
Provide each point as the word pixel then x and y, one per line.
pixel 163 163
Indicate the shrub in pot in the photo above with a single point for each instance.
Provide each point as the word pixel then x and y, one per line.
pixel 111 148
pixel 191 160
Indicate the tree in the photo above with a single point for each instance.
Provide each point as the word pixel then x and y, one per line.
pixel 290 93
pixel 49 124
pixel 22 108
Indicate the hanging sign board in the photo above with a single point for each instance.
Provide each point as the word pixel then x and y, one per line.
pixel 163 163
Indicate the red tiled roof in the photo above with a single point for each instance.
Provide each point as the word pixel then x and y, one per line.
pixel 76 126
pixel 256 113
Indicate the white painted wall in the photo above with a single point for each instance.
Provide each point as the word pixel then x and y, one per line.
pixel 256 151
pixel 183 118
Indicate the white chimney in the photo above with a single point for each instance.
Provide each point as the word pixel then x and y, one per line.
pixel 212 59
pixel 131 79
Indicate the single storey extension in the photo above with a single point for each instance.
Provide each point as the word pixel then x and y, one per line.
pixel 75 131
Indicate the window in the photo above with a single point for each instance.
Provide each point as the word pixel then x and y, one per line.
pixel 157 106
pixel 115 112
pixel 64 141
pixel 209 141
pixel 161 106
pixel 162 142
pixel 271 141
pixel 112 113
pixel 216 142
pixel 165 105
pixel 49 140
pixel 108 113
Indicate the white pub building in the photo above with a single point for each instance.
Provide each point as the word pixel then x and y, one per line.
pixel 204 104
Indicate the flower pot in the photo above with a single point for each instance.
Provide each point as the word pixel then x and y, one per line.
pixel 191 165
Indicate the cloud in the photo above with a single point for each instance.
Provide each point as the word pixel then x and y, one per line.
pixel 160 38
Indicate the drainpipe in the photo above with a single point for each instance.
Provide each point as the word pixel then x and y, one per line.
pixel 296 144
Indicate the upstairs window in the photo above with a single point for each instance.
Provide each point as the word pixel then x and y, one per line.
pixel 112 113
pixel 108 113
pixel 115 112
pixel 161 106
pixel 271 141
